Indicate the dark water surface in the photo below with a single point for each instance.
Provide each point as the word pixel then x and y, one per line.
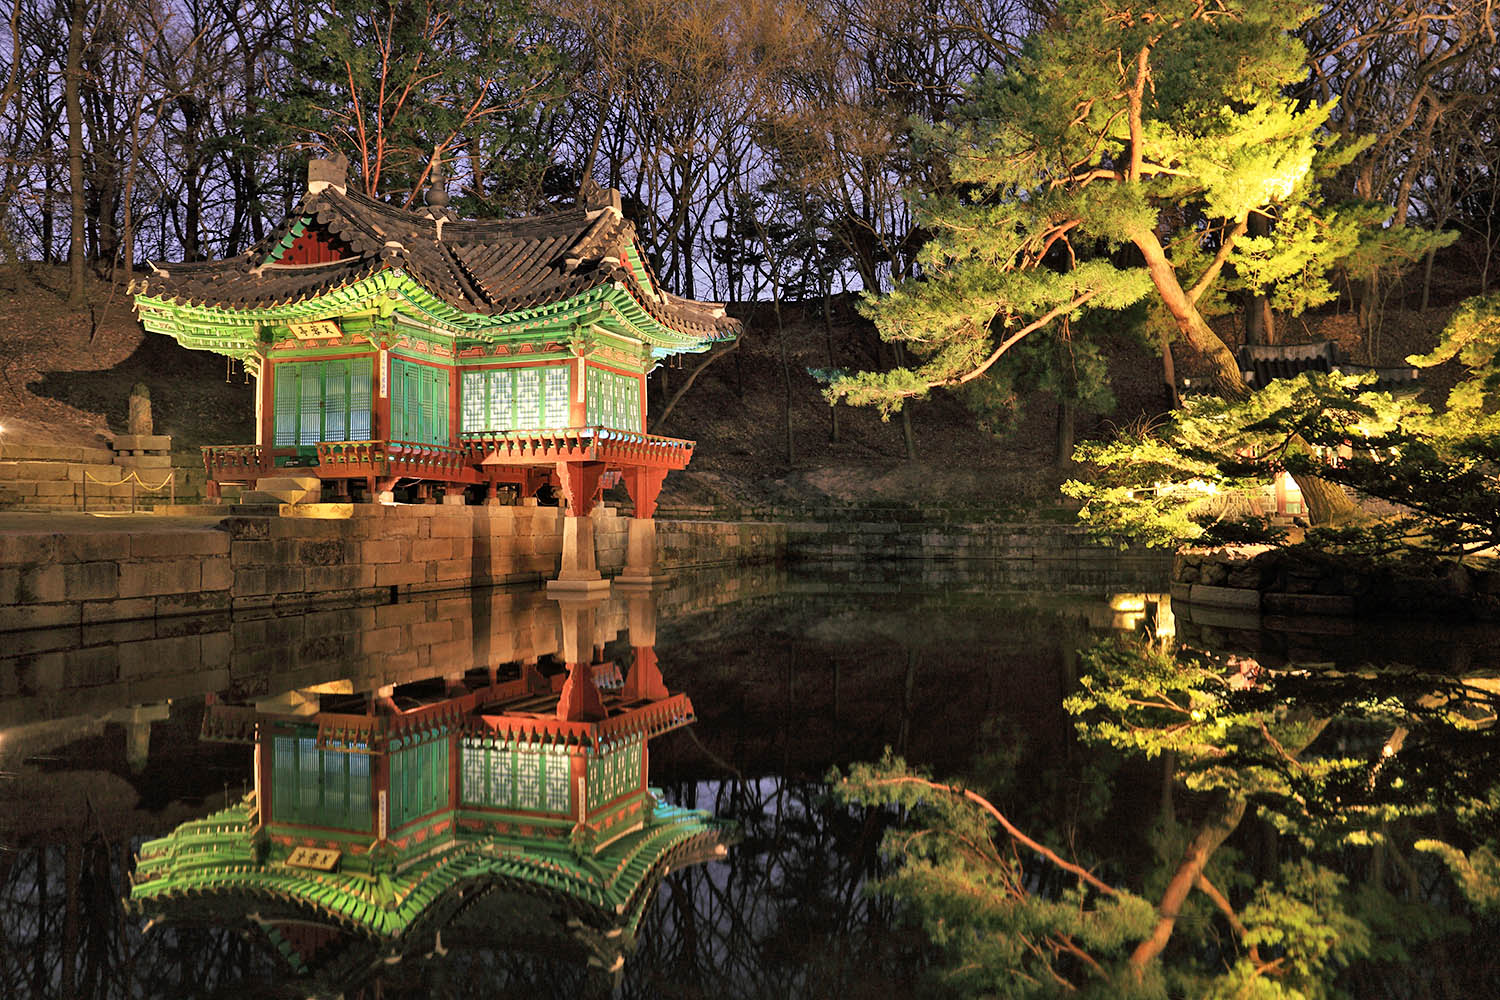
pixel 790 674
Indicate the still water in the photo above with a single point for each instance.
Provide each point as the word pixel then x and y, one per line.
pixel 113 738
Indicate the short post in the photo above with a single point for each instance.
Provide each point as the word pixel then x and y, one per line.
pixel 172 487
pixel 85 490
pixel 132 492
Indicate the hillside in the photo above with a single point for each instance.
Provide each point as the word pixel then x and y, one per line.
pixel 65 377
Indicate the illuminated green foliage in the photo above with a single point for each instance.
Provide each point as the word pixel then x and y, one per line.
pixel 1115 130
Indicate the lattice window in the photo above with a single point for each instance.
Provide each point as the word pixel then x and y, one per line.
pixel 308 792
pixel 359 400
pixel 528 398
pixel 528 780
pixel 558 774
pixel 613 400
pixel 502 401
pixel 502 773
pixel 557 397
pixel 473 399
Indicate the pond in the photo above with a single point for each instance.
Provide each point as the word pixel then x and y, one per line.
pixel 789 674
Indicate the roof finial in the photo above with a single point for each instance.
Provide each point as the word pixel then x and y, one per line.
pixel 329 172
pixel 436 195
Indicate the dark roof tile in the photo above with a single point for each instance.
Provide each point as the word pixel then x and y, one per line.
pixel 487 267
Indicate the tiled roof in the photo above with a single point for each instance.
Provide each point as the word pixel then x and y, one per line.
pixel 484 268
pixel 1261 363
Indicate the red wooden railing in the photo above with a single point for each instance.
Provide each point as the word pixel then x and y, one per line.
pixel 236 461
pixel 578 444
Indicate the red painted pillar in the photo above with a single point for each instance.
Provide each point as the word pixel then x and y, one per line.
pixel 578 413
pixel 453 409
pixel 380 424
pixel 267 411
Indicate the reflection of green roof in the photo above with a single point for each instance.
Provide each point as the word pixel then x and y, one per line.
pixel 219 868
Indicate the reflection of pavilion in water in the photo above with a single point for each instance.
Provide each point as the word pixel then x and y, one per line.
pixel 379 818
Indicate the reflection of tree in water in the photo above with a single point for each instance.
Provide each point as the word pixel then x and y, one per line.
pixel 1297 848
pixel 784 916
pixel 63 933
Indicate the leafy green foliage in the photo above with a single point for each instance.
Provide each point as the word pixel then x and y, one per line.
pixel 971 895
pixel 1111 128
pixel 387 84
pixel 1166 485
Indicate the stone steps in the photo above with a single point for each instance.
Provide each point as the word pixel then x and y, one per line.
pixel 60 477
pixel 284 489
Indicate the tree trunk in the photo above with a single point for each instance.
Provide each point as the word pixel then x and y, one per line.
pixel 786 372
pixel 1326 502
pixel 907 437
pixel 71 87
pixel 1210 835
pixel 1260 323
pixel 833 410
pixel 1067 417
pixel 1169 370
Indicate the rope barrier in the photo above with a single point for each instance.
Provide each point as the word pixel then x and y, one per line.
pixel 133 478
pixel 171 479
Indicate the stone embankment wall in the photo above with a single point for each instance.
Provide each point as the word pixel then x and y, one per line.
pixel 1295 583
pixel 73 570
pixel 107 667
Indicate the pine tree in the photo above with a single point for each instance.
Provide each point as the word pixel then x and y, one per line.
pixel 1122 157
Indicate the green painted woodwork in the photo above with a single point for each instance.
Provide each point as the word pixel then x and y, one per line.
pixel 319 787
pixel 612 399
pixel 419 403
pixel 614 772
pixel 220 861
pixel 236 331
pixel 321 401
pixel 419 781
pixel 515 776
pixel 298 228
pixel 503 399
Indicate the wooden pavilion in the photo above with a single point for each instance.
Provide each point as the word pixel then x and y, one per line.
pixel 417 350
pixel 376 819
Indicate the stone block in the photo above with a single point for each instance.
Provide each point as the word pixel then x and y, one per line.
pixel 400 574
pixel 351 576
pixel 266 633
pixel 1224 597
pixel 1308 604
pixel 389 550
pixel 54 488
pixel 454 570
pixel 160 576
pixel 277 580
pixel 147 463
pixel 383 640
pixel 91 581
pixel 198 602
pixel 218 574
pixel 458 525
pixel 32 584
pixel 142 442
pixel 15 617
pixel 153 657
pixel 324 552
pixel 202 623
pixel 431 549
pixel 174 544
pixel 428 632
pixel 117 610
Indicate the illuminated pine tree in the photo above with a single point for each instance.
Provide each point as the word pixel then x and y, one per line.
pixel 1122 157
